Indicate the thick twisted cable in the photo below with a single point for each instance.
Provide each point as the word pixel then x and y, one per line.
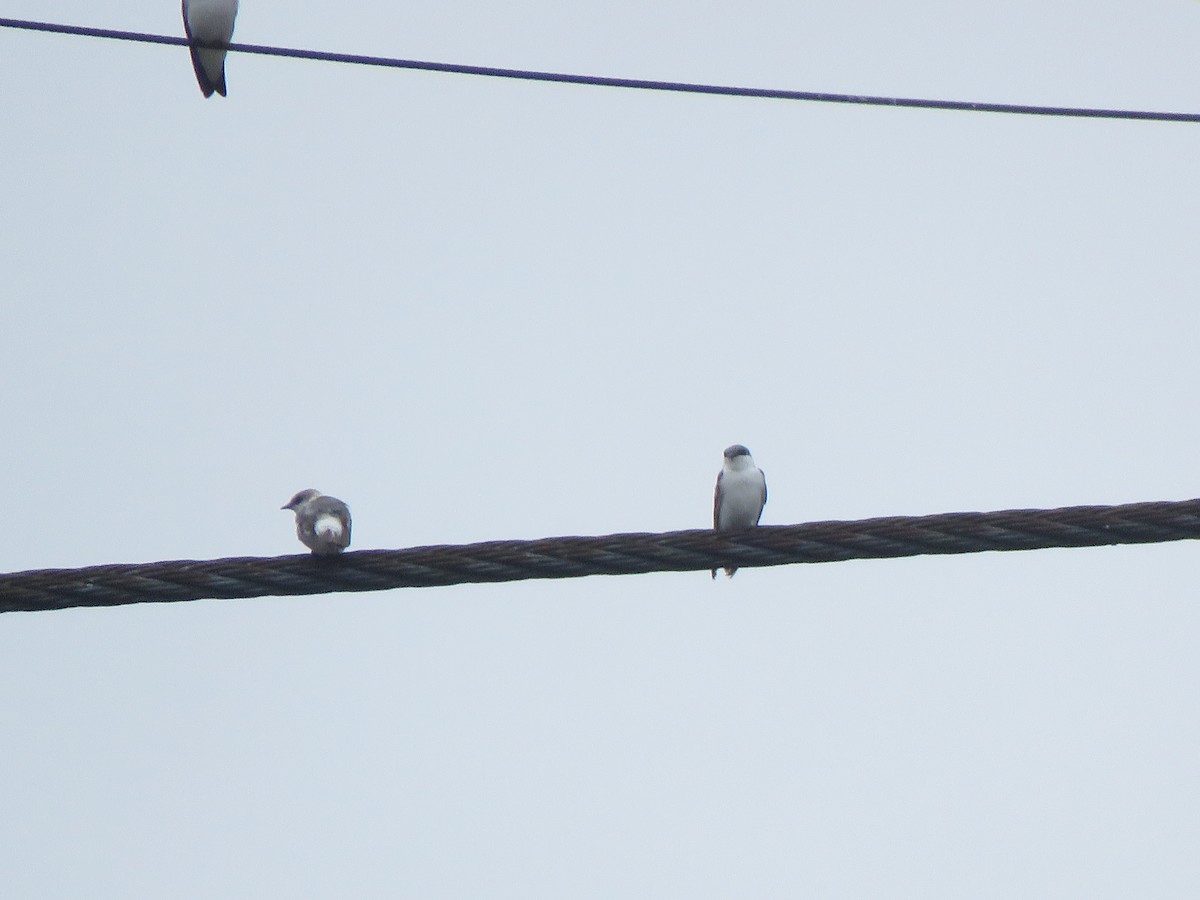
pixel 617 554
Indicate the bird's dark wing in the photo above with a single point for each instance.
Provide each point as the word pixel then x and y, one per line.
pixel 206 86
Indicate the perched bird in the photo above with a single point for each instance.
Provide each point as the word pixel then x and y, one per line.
pixel 209 22
pixel 322 523
pixel 740 496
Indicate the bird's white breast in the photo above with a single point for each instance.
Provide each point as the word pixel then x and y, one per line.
pixel 211 20
pixel 741 498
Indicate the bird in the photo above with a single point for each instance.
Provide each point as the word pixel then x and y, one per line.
pixel 740 495
pixel 322 523
pixel 209 22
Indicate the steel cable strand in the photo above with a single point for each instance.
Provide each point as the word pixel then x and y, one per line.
pixel 616 554
pixel 607 81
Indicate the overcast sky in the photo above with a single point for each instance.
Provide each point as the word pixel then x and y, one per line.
pixel 477 309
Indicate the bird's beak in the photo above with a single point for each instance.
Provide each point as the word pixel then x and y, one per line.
pixel 286 506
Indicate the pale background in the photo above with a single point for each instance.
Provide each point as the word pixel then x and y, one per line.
pixel 478 309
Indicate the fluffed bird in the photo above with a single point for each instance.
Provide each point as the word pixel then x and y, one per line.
pixel 322 523
pixel 740 495
pixel 209 22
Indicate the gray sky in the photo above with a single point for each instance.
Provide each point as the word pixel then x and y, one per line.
pixel 476 309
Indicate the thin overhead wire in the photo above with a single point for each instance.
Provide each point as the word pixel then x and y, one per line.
pixel 605 81
pixel 618 554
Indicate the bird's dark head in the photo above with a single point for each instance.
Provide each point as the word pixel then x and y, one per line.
pixel 301 498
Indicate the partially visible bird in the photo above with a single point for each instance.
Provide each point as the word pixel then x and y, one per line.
pixel 209 22
pixel 322 523
pixel 740 495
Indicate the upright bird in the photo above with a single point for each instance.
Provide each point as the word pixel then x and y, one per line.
pixel 209 22
pixel 322 523
pixel 740 496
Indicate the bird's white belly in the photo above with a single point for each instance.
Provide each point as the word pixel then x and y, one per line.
pixel 211 20
pixel 741 500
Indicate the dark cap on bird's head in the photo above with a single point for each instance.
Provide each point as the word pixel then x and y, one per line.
pixel 735 451
pixel 302 497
